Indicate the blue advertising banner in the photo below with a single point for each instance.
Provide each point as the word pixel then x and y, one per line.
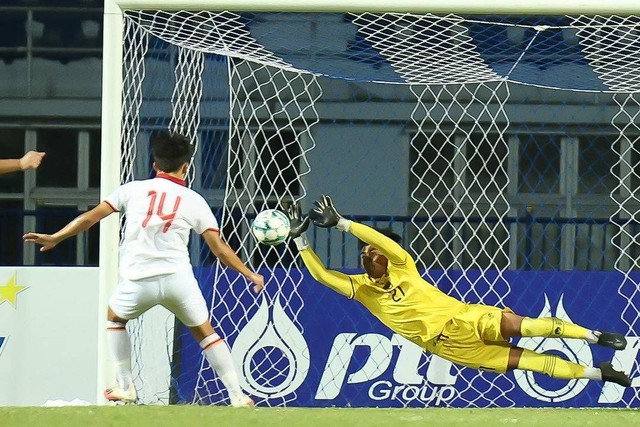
pixel 313 347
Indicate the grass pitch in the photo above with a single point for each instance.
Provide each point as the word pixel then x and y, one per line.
pixel 160 416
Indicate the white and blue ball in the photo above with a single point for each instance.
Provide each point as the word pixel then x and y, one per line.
pixel 271 227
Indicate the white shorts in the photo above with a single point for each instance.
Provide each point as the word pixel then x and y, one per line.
pixel 177 292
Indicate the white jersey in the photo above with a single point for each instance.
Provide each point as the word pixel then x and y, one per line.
pixel 160 213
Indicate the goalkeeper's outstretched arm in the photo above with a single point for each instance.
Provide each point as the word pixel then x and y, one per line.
pixel 393 251
pixel 325 215
pixel 335 280
pixel 339 282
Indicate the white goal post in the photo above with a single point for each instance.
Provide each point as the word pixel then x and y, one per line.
pixel 112 81
pixel 547 7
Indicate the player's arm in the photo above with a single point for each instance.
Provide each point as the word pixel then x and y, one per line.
pixel 339 282
pixel 325 215
pixel 335 280
pixel 228 257
pixel 390 249
pixel 30 160
pixel 79 224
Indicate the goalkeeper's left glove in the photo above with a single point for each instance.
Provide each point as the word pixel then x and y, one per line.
pixel 298 225
pixel 325 215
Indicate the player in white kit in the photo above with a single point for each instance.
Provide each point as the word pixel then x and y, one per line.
pixel 154 261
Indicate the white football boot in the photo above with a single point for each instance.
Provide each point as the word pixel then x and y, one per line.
pixel 242 401
pixel 118 394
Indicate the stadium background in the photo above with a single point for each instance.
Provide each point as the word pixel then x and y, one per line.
pixel 51 101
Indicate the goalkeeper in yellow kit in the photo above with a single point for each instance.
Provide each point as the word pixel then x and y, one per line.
pixel 472 335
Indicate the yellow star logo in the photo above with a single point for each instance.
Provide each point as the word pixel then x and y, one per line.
pixel 9 292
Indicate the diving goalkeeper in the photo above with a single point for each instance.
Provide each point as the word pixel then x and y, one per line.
pixel 472 335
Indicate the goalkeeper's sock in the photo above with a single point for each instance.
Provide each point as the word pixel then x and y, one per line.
pixel 119 345
pixel 219 357
pixel 555 328
pixel 555 366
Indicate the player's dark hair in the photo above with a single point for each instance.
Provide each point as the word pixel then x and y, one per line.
pixel 170 151
pixel 387 232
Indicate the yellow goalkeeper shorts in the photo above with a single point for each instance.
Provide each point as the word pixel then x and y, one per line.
pixel 472 339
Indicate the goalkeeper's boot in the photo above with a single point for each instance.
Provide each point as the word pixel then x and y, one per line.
pixel 242 401
pixel 612 340
pixel 118 394
pixel 611 375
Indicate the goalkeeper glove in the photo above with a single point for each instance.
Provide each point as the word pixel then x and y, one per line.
pixel 298 225
pixel 325 215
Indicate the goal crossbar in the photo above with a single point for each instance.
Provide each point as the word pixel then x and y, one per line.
pixel 547 7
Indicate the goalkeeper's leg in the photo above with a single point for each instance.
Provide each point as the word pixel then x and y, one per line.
pixel 513 325
pixel 557 367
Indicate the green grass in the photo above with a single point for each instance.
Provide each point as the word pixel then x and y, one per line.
pixel 159 416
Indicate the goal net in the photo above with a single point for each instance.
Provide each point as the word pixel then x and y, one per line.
pixel 503 149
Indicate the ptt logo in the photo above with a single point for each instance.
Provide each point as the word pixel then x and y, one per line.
pixel 576 351
pixel 271 335
pixel 436 388
pixel 443 382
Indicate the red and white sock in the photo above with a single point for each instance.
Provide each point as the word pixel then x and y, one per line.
pixel 219 357
pixel 119 346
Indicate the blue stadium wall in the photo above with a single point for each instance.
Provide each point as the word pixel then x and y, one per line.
pixel 333 324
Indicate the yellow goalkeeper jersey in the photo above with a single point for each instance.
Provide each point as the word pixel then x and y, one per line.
pixel 402 300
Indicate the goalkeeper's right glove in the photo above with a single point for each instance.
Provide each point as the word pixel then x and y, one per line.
pixel 298 225
pixel 325 215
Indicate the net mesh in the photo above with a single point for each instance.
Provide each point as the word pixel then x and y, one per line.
pixel 487 117
pixel 627 148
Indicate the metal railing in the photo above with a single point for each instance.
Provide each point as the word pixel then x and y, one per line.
pixel 79 251
pixel 538 241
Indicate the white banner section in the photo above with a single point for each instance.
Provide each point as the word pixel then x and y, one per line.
pixel 48 343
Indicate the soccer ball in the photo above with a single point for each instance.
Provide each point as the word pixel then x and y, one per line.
pixel 271 227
